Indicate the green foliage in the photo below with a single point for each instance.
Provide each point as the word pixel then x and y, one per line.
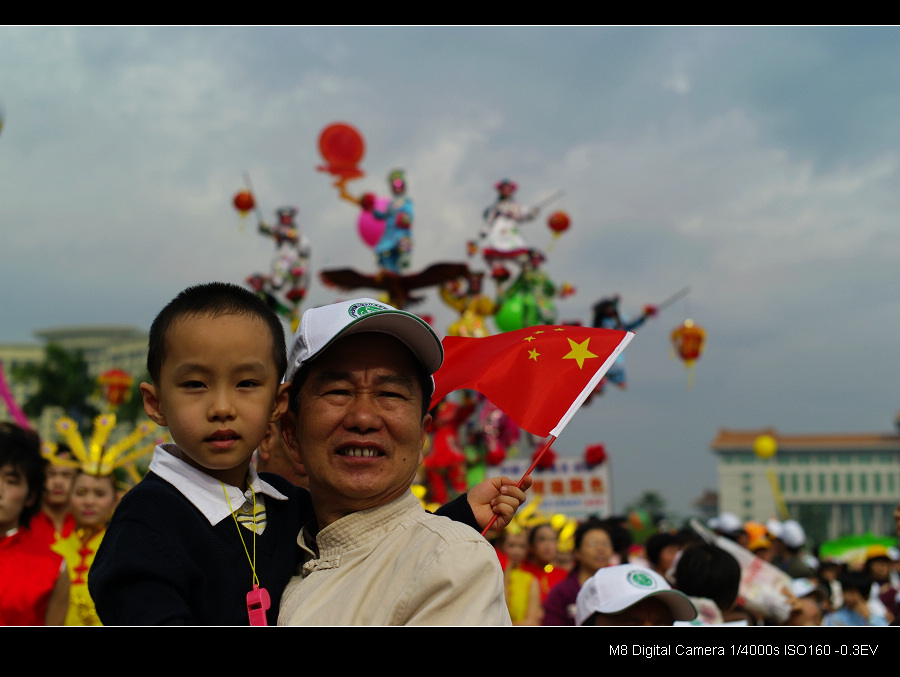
pixel 63 381
pixel 132 409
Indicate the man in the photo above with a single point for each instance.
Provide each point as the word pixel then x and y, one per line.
pixel 357 418
pixel 628 594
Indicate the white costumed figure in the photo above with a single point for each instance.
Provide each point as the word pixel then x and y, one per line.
pixel 285 287
pixel 501 240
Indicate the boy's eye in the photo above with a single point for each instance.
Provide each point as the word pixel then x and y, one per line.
pixel 248 383
pixel 192 384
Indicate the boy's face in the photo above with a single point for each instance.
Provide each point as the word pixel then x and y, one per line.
pixel 14 496
pixel 218 390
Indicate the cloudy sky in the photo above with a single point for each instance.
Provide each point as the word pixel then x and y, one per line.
pixel 757 166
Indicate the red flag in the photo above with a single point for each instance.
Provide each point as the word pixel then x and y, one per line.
pixel 538 376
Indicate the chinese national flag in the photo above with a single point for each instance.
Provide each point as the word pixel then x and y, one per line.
pixel 538 376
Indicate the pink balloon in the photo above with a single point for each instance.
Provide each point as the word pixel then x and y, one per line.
pixel 370 228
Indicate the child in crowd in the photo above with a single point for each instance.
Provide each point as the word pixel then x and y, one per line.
pixel 523 594
pixel 93 501
pixel 34 585
pixel 203 539
pixel 54 520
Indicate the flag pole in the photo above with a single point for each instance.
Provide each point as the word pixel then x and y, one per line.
pixel 537 457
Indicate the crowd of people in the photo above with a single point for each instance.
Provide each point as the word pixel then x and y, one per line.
pixel 286 498
pixel 607 577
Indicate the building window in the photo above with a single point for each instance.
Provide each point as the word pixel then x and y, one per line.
pixel 863 483
pixel 847 526
pixel 848 479
pixel 822 483
pixel 876 480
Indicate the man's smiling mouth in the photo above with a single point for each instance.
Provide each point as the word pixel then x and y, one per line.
pixel 360 452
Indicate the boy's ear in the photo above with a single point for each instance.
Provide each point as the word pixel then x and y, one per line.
pixel 151 404
pixel 281 402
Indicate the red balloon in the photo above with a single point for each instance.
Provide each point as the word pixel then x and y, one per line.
pixel 244 201
pixel 341 146
pixel 558 222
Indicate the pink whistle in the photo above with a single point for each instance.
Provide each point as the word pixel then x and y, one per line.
pixel 257 603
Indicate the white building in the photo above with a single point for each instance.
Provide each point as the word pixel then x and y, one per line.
pixel 103 347
pixel 833 484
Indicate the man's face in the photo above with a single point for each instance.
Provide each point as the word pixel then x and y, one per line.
pixel 649 611
pixel 218 389
pixel 359 428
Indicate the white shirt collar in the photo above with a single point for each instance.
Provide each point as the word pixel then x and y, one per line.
pixel 203 491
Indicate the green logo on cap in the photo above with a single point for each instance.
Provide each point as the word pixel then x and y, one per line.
pixel 640 580
pixel 360 309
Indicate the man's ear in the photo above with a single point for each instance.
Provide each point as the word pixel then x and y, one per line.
pixel 151 404
pixel 289 433
pixel 281 402
pixel 426 423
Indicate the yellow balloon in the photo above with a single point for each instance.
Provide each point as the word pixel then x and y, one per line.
pixel 765 446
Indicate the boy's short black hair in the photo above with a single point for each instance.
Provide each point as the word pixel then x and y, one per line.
pixel 213 299
pixel 21 449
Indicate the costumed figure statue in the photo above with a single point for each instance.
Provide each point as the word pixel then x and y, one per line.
pixel 529 299
pixel 285 287
pixel 608 316
pixel 471 304
pixel 501 240
pixel 393 249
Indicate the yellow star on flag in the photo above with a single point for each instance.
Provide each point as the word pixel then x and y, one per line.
pixel 533 355
pixel 579 352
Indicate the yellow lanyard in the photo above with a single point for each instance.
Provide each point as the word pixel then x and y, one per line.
pixel 250 559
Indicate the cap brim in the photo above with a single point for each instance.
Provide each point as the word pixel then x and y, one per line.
pixel 679 604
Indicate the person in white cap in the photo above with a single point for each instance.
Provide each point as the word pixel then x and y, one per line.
pixel 628 594
pixel 361 385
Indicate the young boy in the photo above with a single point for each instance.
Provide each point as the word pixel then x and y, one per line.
pixel 34 584
pixel 203 539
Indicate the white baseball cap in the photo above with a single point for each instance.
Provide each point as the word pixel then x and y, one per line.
pixel 320 327
pixel 613 589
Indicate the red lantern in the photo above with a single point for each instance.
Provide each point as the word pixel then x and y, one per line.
pixel 244 202
pixel 594 455
pixel 558 222
pixel 547 461
pixel 343 147
pixel 687 340
pixel 115 385
pixel 495 456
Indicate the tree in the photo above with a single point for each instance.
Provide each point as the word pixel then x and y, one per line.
pixel 650 502
pixel 62 381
